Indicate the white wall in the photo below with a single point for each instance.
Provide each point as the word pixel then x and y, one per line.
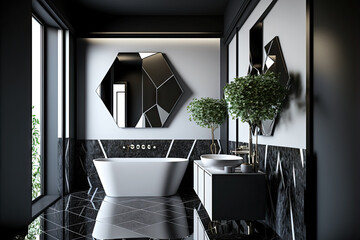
pixel 287 19
pixel 197 62
pixel 231 76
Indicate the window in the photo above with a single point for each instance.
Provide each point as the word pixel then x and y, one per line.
pixel 50 52
pixel 37 99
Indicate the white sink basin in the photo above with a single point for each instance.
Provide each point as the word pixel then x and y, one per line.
pixel 218 161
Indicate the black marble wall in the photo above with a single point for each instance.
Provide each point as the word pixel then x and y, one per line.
pixel 66 152
pixel 70 151
pixel 60 167
pixel 82 174
pixel 286 183
pixel 191 149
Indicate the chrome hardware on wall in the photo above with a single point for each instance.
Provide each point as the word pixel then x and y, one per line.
pixel 138 146
pixel 127 147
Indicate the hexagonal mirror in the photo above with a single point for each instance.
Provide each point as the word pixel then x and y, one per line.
pixel 140 90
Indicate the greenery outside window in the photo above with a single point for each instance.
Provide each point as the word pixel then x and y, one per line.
pixel 37 99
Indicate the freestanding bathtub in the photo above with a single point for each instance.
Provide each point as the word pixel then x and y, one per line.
pixel 122 177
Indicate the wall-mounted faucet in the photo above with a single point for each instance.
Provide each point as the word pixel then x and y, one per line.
pixel 138 146
pixel 128 147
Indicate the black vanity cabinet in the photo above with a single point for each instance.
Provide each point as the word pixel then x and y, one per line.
pixel 230 196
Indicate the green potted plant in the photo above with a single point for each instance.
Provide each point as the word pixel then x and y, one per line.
pixel 255 98
pixel 208 113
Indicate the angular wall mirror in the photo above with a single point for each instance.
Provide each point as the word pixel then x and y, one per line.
pixel 140 90
pixel 274 62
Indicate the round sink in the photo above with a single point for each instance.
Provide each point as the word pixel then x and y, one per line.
pixel 220 160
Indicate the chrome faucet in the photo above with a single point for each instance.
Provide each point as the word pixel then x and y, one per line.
pixel 138 146
pixel 128 147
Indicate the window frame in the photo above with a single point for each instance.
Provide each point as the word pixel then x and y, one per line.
pixel 50 183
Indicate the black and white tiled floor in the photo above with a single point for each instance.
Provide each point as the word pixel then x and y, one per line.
pixel 82 216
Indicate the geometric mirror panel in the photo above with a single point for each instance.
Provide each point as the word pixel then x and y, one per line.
pixel 140 90
pixel 157 68
pixel 255 49
pixel 166 101
pixel 274 62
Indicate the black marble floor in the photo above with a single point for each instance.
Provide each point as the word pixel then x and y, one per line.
pixel 84 216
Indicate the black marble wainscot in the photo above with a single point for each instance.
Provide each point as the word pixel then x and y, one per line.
pixel 201 147
pixel 70 151
pixel 114 148
pixel 191 149
pixel 60 166
pixel 84 174
pixel 286 183
pixel 65 155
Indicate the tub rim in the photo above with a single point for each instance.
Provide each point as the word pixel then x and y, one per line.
pixel 140 159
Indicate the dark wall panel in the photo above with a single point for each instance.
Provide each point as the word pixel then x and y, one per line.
pixel 231 11
pixel 235 15
pixel 15 115
pixel 336 118
pixel 224 128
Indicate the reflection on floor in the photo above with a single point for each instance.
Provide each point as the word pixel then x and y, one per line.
pixel 82 216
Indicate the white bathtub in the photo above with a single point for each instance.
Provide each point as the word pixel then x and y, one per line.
pixel 122 177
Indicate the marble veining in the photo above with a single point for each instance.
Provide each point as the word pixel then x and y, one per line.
pixel 201 147
pixel 285 168
pixel 86 151
pixel 181 148
pixel 60 167
pixel 71 159
pixel 67 164
pixel 286 184
pixel 179 217
pixel 114 148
